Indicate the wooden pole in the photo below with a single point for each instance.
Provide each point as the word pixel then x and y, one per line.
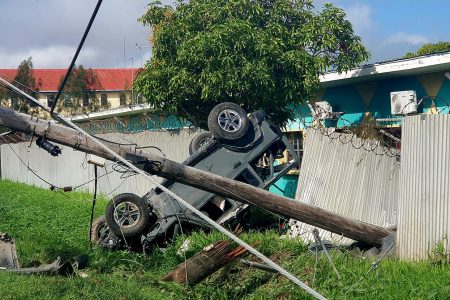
pixel 204 263
pixel 354 229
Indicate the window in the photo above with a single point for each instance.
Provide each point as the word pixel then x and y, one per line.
pixel 104 100
pixel 67 101
pixel 123 99
pixel 50 100
pixel 86 100
pixel 296 140
pixel 140 98
pixel 14 102
pixel 32 104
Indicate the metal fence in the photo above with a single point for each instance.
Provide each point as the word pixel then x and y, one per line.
pixel 24 163
pixel 424 196
pixel 343 177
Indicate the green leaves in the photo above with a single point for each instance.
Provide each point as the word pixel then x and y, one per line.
pixel 263 54
pixel 24 79
pixel 80 87
pixel 429 49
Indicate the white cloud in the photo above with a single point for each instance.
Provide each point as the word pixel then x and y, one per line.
pixel 406 38
pixel 360 15
pixel 50 30
pixel 49 57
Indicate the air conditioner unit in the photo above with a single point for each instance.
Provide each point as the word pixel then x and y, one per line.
pixel 403 102
pixel 323 110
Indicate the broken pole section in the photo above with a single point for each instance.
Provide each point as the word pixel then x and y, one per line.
pixel 205 263
pixel 354 229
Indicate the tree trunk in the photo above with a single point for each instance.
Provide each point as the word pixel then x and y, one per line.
pixel 219 185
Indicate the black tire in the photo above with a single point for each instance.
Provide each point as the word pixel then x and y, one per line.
pixel 228 121
pixel 99 227
pixel 127 215
pixel 199 140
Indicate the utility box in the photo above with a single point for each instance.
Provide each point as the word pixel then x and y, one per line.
pixel 403 102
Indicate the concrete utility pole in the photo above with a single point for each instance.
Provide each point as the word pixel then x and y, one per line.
pixel 225 187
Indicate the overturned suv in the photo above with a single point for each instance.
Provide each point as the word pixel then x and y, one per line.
pixel 238 146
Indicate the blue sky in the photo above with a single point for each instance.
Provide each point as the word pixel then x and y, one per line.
pixel 49 30
pixel 391 28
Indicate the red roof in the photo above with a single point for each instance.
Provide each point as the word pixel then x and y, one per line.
pixel 49 79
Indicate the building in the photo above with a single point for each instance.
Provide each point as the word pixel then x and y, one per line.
pixel 114 88
pixel 368 90
pixel 362 96
pixel 366 96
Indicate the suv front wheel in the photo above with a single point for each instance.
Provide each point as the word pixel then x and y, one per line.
pixel 228 121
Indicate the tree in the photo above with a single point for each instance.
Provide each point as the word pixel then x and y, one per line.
pixel 4 96
pixel 25 81
pixel 261 54
pixel 79 92
pixel 429 48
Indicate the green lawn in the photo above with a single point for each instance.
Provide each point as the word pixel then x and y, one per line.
pixel 48 224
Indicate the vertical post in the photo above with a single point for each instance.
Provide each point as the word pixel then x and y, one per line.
pixel 132 78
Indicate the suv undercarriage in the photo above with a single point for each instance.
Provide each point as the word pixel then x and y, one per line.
pixel 239 146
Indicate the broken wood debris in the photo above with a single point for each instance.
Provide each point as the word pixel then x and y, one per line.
pixel 205 263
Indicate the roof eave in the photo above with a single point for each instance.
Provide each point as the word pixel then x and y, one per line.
pixel 116 112
pixel 404 67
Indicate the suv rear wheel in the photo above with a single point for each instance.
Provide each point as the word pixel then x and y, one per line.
pixel 98 229
pixel 228 121
pixel 199 140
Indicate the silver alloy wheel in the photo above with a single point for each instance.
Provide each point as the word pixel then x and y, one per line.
pixel 126 214
pixel 203 142
pixel 229 120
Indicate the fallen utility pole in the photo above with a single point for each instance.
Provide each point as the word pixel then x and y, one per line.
pixel 354 229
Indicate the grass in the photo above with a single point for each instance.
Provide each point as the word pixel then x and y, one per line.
pixel 48 224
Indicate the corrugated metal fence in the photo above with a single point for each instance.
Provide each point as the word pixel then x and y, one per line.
pixel 335 175
pixel 71 168
pixel 424 197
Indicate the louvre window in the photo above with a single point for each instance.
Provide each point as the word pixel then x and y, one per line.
pixel 104 100
pixel 123 99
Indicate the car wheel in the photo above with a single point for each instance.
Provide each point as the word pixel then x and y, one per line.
pixel 228 121
pixel 199 140
pixel 127 215
pixel 99 228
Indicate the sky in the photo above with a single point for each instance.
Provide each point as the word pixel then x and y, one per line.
pixel 49 30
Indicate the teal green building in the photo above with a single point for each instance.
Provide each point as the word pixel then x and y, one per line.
pixel 367 94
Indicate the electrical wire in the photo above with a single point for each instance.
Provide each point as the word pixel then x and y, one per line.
pixel 74 59
pixel 52 186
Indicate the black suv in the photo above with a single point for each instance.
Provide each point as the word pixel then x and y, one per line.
pixel 238 146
